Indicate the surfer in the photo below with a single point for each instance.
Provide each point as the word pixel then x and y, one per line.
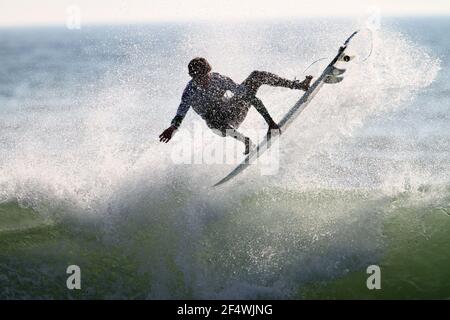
pixel 207 94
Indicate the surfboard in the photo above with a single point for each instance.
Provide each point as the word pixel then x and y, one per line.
pixel 329 75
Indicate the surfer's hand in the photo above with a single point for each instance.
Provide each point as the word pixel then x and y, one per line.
pixel 167 134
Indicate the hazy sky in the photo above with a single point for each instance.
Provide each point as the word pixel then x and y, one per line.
pixel 25 12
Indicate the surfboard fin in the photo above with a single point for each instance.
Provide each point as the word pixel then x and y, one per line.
pixel 332 79
pixel 336 71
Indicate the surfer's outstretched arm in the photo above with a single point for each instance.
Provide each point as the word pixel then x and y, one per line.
pixel 183 108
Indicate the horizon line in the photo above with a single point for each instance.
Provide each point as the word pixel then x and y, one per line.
pixel 208 20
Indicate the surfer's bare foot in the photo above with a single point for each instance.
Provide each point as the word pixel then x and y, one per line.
pixel 273 127
pixel 302 85
pixel 249 146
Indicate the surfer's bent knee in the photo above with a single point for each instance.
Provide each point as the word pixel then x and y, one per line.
pixel 256 74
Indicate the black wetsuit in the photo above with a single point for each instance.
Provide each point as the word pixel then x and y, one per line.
pixel 223 111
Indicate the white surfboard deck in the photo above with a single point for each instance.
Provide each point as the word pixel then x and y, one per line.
pixel 291 115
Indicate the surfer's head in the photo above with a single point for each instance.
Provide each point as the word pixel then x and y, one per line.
pixel 199 68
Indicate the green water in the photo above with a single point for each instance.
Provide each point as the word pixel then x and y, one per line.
pixel 416 264
pixel 140 259
pixel 33 263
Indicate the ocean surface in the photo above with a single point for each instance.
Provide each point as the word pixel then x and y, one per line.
pixel 363 175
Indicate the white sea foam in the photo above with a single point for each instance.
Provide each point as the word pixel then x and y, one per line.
pixel 258 236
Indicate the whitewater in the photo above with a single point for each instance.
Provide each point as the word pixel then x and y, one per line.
pixel 84 179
